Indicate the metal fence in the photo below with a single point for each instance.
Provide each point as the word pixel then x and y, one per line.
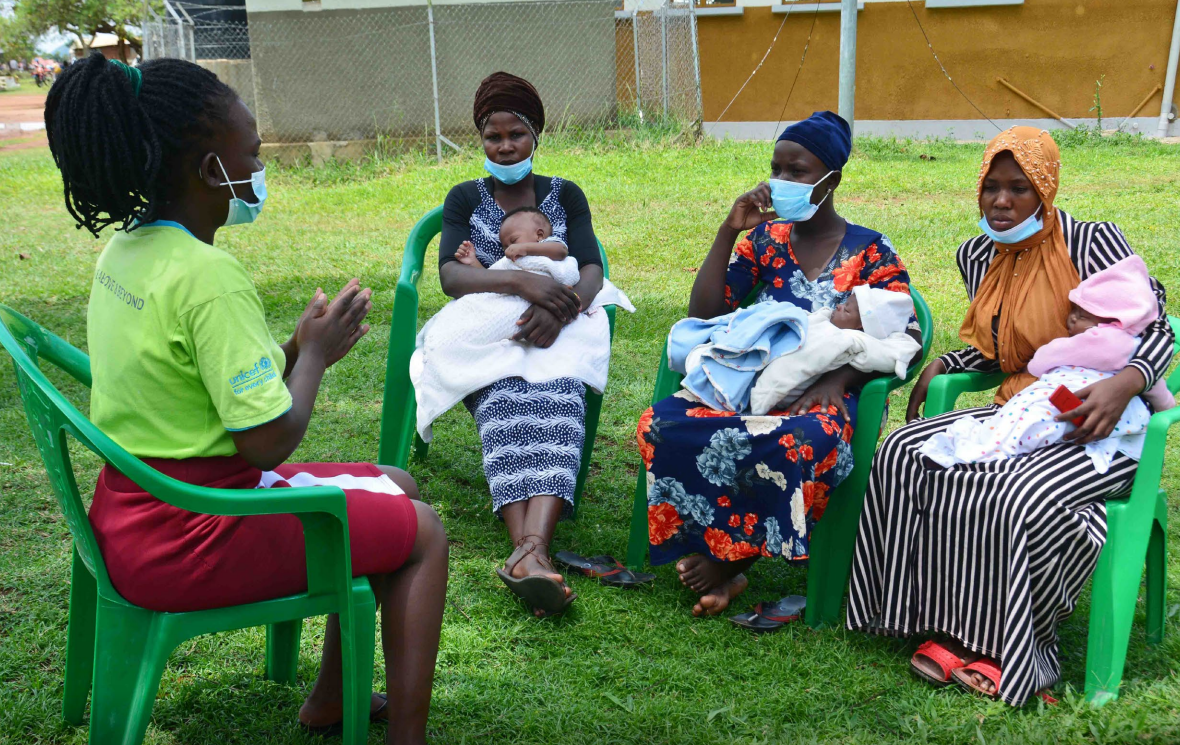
pixel 412 71
pixel 197 30
pixel 168 35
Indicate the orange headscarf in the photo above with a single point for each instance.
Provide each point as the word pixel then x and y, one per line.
pixel 1027 284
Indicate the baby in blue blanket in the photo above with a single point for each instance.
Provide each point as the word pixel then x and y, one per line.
pixel 763 357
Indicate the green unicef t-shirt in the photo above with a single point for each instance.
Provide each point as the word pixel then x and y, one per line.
pixel 179 349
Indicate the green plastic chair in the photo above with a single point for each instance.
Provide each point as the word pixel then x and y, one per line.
pixel 120 648
pixel 832 540
pixel 399 408
pixel 1136 533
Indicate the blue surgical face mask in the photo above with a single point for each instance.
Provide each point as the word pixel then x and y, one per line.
pixel 241 211
pixel 1017 233
pixel 792 199
pixel 509 174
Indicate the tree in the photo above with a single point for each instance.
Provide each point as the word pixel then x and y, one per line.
pixel 16 41
pixel 83 19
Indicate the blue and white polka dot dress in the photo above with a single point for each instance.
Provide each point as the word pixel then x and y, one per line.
pixel 532 433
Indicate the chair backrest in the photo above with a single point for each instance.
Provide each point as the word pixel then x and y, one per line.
pixel 926 322
pixel 41 344
pixel 51 416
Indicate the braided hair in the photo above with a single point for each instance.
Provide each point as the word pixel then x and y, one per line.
pixel 122 154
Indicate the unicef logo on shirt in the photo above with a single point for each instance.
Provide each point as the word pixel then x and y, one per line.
pixel 262 372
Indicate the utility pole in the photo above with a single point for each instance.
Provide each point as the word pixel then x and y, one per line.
pixel 848 61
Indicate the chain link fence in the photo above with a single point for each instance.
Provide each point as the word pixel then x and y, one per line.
pixel 168 37
pixel 410 72
pixel 658 68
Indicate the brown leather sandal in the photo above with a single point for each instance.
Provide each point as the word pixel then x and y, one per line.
pixel 541 593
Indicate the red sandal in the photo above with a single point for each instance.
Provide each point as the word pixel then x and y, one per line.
pixel 984 667
pixel 939 655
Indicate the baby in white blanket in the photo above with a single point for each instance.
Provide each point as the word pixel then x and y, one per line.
pixel 469 344
pixel 868 331
pixel 529 245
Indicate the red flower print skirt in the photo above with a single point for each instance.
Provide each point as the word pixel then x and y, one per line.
pixel 730 486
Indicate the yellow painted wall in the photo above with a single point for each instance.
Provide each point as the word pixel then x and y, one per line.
pixel 1054 50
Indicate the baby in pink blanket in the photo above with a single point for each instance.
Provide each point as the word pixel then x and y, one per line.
pixel 1110 310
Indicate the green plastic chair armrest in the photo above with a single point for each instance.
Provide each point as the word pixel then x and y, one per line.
pixel 1151 462
pixel 946 389
pixel 322 510
pixel 40 343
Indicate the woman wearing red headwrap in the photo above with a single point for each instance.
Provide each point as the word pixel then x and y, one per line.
pixel 532 433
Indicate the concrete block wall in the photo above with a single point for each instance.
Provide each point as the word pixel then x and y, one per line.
pixel 327 74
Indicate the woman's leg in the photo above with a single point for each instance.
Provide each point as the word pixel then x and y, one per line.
pixel 410 601
pixel 324 706
pixel 717 582
pixel 404 481
pixel 536 516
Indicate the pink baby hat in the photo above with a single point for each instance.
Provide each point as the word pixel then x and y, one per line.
pixel 1122 292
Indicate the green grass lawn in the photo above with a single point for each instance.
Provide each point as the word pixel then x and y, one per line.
pixel 28 86
pixel 621 667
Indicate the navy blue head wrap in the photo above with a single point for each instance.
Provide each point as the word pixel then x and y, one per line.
pixel 826 135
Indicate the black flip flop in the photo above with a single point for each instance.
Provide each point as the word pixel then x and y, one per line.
pixel 337 729
pixel 541 593
pixel 773 616
pixel 609 570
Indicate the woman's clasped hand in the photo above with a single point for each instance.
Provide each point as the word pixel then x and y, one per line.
pixel 553 306
pixel 333 328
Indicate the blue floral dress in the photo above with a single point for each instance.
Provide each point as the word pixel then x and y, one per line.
pixel 730 486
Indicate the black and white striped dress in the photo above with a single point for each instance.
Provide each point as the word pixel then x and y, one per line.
pixel 532 433
pixel 993 554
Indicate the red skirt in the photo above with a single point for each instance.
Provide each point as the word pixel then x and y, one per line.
pixel 164 558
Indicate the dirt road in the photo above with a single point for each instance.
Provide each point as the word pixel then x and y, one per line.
pixel 22 108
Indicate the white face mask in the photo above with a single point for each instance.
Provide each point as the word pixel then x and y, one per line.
pixel 241 211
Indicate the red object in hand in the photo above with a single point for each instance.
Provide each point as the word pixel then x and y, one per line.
pixel 1065 401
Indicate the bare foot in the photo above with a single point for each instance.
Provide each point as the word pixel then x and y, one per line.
pixel 717 600
pixel 980 681
pixel 465 254
pixel 316 713
pixel 700 574
pixel 532 565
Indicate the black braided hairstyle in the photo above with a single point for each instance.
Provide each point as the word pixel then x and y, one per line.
pixel 121 156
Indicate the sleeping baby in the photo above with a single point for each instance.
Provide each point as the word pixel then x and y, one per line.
pixel 468 344
pixel 867 331
pixel 525 231
pixel 529 245
pixel 1110 309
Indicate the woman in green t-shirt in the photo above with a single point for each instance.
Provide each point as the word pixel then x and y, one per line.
pixel 188 378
